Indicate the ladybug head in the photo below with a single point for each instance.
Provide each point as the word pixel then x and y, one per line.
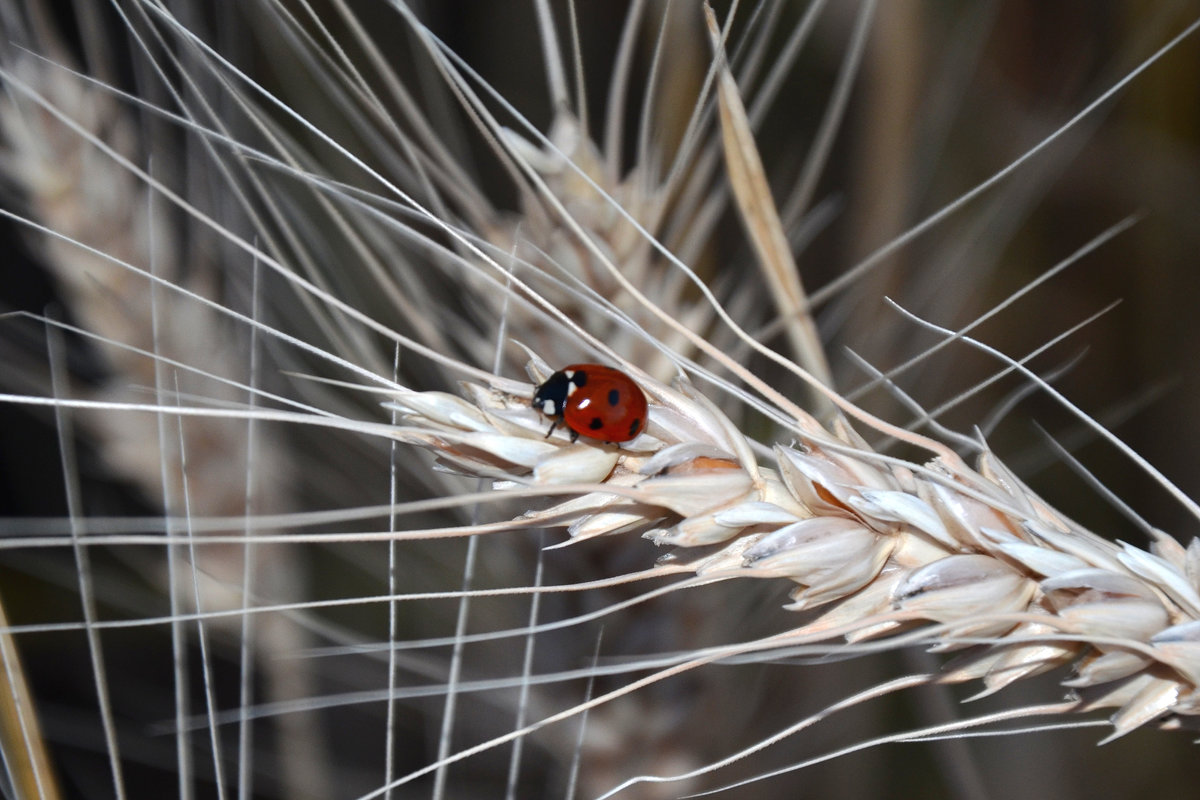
pixel 551 397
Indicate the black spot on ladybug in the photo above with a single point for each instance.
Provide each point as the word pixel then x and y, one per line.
pixel 614 396
pixel 596 423
pixel 634 427
pixel 579 378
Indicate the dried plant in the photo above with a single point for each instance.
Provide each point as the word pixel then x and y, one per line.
pixel 313 262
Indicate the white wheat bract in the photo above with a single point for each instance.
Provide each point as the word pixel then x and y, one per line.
pixel 310 262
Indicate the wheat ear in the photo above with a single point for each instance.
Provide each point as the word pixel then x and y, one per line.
pixel 888 543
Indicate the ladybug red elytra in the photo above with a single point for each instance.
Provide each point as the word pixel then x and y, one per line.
pixel 593 400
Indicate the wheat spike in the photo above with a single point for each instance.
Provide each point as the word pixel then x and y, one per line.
pixel 889 543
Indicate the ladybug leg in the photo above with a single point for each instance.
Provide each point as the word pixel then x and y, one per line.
pixel 574 436
pixel 553 425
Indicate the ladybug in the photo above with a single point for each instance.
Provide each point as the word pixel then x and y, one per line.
pixel 594 401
